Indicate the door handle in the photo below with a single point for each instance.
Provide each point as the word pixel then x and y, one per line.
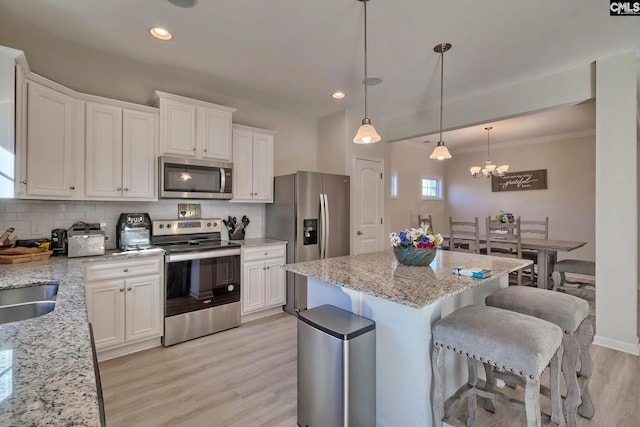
pixel 359 233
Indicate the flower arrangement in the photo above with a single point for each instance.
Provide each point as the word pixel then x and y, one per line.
pixel 416 238
pixel 415 246
pixel 505 217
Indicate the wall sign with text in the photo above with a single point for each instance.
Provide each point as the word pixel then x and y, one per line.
pixel 518 181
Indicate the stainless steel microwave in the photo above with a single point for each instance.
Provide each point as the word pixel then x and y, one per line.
pixel 184 178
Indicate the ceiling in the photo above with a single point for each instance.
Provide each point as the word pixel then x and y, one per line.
pixel 292 54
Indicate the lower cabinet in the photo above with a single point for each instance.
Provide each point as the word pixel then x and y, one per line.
pixel 124 304
pixel 263 278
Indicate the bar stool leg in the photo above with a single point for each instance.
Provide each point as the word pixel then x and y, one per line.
pixel 437 360
pixel 554 388
pixel 489 385
pixel 532 402
pixel 585 335
pixel 569 362
pixel 472 400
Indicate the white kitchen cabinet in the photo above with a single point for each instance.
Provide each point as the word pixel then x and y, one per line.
pixel 252 164
pixel 124 304
pixel 263 279
pixel 120 152
pixel 52 146
pixel 193 128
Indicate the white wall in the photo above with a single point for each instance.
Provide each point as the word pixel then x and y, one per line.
pixel 332 133
pixel 411 160
pixel 569 201
pixel 36 218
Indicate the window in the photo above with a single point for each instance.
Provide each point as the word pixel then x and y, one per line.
pixel 431 188
pixel 394 184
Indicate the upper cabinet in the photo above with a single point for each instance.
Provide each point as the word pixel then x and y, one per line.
pixel 120 151
pixel 51 148
pixel 193 128
pixel 252 164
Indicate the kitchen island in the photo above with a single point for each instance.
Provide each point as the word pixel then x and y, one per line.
pixel 404 302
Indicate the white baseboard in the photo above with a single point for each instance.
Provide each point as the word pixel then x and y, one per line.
pixel 260 314
pixel 624 346
pixel 123 350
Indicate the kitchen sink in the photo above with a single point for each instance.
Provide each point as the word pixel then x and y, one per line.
pixel 29 310
pixel 35 293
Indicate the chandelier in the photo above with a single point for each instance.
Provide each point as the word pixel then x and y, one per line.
pixel 489 169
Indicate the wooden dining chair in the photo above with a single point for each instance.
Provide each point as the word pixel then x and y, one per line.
pixel 538 229
pixel 504 239
pixel 464 236
pixel 426 223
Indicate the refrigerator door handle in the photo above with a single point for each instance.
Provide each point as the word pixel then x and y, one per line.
pixel 323 225
pixel 327 227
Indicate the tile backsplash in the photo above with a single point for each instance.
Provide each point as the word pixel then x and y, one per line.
pixel 36 218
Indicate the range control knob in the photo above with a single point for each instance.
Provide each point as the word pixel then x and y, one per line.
pixel 209 224
pixel 161 226
pixel 230 288
pixel 168 225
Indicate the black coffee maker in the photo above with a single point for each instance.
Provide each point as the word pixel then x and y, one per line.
pixel 58 241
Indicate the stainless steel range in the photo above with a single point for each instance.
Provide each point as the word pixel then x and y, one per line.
pixel 202 278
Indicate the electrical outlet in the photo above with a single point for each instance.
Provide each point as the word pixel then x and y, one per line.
pixel 34 228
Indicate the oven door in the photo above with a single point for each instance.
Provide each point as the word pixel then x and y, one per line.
pixel 200 280
pixel 191 178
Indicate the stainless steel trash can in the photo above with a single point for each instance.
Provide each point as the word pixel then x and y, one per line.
pixel 336 369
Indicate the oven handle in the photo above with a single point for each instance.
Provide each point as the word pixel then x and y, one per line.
pixel 201 255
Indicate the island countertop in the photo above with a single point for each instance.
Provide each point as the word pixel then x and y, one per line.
pixel 380 274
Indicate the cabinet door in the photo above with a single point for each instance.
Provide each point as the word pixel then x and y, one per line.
pixel 143 318
pixel 242 165
pixel 50 142
pixel 214 133
pixel 252 290
pixel 275 282
pixel 139 142
pixel 105 307
pixel 103 150
pixel 263 167
pixel 177 128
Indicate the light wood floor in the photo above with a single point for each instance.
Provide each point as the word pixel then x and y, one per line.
pixel 247 377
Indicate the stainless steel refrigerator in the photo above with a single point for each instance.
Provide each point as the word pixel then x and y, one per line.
pixel 310 210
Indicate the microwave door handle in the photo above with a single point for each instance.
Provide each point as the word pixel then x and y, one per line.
pixel 327 228
pixel 223 180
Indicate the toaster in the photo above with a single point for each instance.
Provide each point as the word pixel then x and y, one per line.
pixel 85 243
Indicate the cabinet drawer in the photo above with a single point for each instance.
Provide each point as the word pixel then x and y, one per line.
pixel 262 252
pixel 122 269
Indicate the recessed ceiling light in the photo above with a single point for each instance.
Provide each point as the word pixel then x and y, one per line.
pixel 338 95
pixel 161 33
pixel 183 3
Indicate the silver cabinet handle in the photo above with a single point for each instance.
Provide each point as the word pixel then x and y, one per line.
pixel 72 187
pixel 119 189
pixel 126 189
pixel 129 288
pixel 24 181
pixel 194 149
pixel 126 270
pixel 269 268
pixel 359 233
pixel 121 289
pixel 205 150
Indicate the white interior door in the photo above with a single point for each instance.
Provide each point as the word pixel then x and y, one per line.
pixel 368 185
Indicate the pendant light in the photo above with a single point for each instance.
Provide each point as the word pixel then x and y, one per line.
pixel 441 152
pixel 489 169
pixel 366 133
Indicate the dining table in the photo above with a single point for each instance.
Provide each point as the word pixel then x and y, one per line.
pixel 545 248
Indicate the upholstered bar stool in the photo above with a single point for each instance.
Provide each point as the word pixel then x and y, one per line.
pixel 570 314
pixel 502 339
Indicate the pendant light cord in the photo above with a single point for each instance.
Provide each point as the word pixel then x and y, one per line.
pixel 441 91
pixel 366 115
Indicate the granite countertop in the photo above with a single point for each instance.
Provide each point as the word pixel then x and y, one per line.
pixel 46 363
pixel 258 241
pixel 380 274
